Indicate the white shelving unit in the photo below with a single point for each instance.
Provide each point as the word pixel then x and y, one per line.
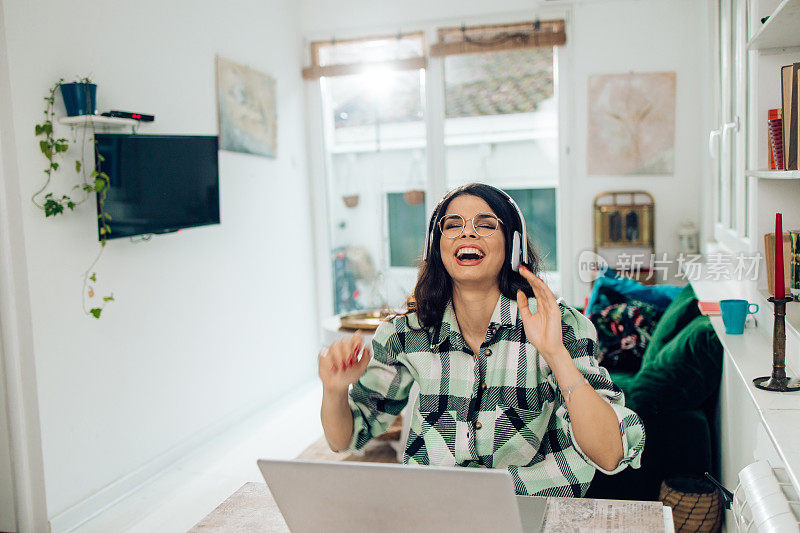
pixel 775 174
pixel 775 43
pixel 101 121
pixel 754 424
pixel 782 30
pixel 750 54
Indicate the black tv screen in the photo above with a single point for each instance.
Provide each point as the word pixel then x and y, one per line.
pixel 158 183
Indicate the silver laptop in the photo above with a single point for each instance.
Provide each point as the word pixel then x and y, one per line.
pixel 349 497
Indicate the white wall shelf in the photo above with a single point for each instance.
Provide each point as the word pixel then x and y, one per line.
pixel 781 30
pixel 85 120
pixel 775 174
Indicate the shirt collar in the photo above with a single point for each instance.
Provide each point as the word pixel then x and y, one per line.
pixel 504 315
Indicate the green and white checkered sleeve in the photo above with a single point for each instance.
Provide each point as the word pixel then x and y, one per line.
pixel 382 392
pixel 580 339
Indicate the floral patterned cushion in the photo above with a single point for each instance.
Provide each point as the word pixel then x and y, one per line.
pixel 624 327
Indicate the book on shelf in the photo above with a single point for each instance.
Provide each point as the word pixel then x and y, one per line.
pixel 769 255
pixel 709 308
pixel 775 139
pixel 791 118
pixel 786 99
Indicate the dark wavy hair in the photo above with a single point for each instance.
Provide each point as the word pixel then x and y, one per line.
pixel 434 286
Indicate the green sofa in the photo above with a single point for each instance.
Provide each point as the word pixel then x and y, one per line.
pixel 675 393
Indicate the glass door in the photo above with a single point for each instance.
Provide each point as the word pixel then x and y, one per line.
pixel 376 174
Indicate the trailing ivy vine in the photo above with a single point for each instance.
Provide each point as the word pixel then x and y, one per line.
pixel 54 150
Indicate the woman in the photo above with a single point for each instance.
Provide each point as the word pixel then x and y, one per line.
pixel 508 375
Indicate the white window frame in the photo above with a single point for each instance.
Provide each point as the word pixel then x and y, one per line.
pixel 735 230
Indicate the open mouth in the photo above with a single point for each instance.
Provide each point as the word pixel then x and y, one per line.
pixel 469 255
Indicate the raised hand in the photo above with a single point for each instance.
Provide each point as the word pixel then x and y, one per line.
pixel 339 365
pixel 542 328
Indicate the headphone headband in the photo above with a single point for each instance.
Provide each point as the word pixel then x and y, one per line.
pixel 519 245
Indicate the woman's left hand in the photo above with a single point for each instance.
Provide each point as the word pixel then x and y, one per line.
pixel 542 328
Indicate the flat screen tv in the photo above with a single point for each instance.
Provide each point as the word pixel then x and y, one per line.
pixel 158 183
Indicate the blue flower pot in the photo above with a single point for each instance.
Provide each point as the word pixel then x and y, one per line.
pixel 79 98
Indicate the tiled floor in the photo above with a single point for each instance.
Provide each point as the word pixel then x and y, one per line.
pixel 188 491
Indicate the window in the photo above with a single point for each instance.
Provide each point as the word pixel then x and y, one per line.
pixel 499 124
pixel 407 227
pixel 538 206
pixel 375 147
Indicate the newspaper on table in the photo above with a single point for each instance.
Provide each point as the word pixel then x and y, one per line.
pixel 571 515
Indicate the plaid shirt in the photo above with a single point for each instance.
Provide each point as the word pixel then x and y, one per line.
pixel 501 409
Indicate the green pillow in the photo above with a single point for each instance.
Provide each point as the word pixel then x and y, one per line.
pixel 622 380
pixel 678 314
pixel 682 375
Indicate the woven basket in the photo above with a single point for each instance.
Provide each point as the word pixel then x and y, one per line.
pixel 696 504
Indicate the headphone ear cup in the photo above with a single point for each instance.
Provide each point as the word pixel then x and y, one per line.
pixel 429 236
pixel 516 252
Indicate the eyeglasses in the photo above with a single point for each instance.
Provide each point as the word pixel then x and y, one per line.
pixel 484 224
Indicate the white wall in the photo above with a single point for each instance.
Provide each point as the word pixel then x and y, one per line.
pixel 655 36
pixel 208 323
pixel 7 512
pixel 604 37
pixel 320 16
pixel 22 428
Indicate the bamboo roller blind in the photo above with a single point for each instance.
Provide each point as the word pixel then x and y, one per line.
pixel 496 37
pixel 451 41
pixel 319 66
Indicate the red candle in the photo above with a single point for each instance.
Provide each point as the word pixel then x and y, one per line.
pixel 780 289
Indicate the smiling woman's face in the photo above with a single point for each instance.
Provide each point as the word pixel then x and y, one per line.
pixel 471 258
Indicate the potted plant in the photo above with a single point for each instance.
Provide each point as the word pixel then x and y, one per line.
pixel 350 200
pixel 54 150
pixel 414 197
pixel 80 97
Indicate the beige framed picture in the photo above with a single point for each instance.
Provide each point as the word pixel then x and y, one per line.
pixel 248 120
pixel 631 124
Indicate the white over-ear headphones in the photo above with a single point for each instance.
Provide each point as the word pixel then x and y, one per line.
pixel 519 244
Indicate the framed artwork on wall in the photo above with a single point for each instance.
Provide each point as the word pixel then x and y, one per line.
pixel 248 120
pixel 631 124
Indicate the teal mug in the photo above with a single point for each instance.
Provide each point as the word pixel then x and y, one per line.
pixel 734 313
